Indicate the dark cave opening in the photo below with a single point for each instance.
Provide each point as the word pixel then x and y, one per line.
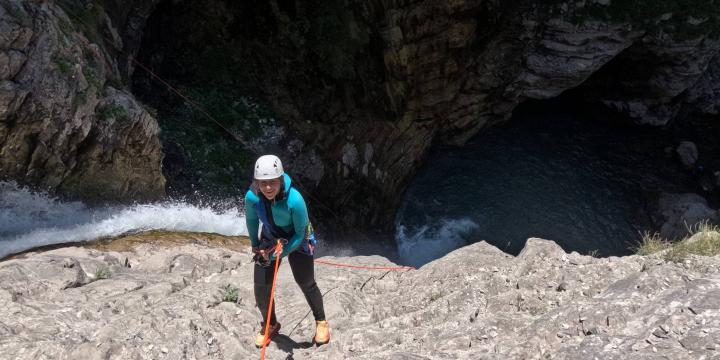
pixel 200 49
pixel 230 57
pixel 560 169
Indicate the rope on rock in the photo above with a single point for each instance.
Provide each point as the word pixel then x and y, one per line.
pixel 194 104
pixel 278 250
pixel 366 267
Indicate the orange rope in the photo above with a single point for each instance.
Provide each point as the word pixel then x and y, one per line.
pixel 278 251
pixel 367 267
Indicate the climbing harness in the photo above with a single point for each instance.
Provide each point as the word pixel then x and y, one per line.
pixel 270 231
pixel 262 261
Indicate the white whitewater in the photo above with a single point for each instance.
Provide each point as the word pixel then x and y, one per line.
pixel 30 219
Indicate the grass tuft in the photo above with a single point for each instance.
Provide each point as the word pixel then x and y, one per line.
pixel 704 240
pixel 113 112
pixel 651 243
pixel 102 272
pixel 231 294
pixel 92 77
pixel 63 64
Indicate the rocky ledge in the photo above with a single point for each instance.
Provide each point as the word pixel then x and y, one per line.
pixel 154 302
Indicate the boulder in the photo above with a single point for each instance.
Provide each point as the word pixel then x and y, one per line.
pixel 688 153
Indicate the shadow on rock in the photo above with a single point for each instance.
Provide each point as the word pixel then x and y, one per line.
pixel 285 343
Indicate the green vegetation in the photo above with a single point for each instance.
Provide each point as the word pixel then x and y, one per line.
pixel 221 65
pixel 435 295
pixel 15 10
pixel 65 26
pixel 215 161
pixel 79 100
pixel 704 240
pixel 63 64
pixel 113 111
pixel 92 77
pixel 333 36
pixel 231 294
pixel 684 19
pixel 114 81
pixel 102 272
pixel 85 15
pixel 241 114
pixel 651 243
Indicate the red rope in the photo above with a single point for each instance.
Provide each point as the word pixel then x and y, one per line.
pixel 170 87
pixel 278 251
pixel 191 102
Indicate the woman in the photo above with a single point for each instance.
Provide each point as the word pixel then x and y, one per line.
pixel 281 209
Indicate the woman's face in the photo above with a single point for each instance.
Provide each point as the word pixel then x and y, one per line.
pixel 270 188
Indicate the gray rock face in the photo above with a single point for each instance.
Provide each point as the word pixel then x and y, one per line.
pixel 475 303
pixel 62 126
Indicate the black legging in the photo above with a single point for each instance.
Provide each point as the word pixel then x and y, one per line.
pixel 303 269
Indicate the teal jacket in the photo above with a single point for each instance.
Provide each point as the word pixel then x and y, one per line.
pixel 289 213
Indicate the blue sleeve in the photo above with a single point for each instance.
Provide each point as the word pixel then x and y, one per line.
pixel 252 222
pixel 300 220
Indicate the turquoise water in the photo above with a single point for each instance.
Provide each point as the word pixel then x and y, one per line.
pixel 590 187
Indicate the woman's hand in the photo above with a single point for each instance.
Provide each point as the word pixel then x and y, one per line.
pixel 265 253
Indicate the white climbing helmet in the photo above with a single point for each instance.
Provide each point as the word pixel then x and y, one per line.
pixel 268 167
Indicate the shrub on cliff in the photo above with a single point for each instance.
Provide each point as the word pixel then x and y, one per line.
pixel 102 272
pixel 231 294
pixel 705 241
pixel 651 243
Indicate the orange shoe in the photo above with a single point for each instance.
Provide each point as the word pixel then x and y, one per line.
pixel 322 332
pixel 260 339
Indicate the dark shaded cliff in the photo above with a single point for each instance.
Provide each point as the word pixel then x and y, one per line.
pixel 359 92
